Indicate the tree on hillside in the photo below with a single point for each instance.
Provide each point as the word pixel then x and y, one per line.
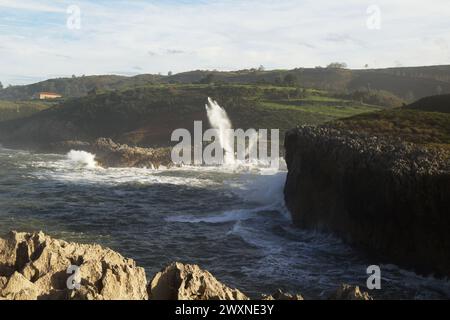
pixel 170 73
pixel 337 65
pixel 261 68
pixel 290 79
pixel 209 78
pixel 1 85
pixel 92 92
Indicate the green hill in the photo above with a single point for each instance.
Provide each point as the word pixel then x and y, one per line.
pixel 418 123
pixel 75 86
pixel 147 115
pixel 407 84
pixel 439 103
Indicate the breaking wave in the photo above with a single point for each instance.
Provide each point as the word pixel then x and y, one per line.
pixel 82 158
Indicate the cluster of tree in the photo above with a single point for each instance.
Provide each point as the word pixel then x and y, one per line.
pixel 277 94
pixel 208 79
pixel 374 97
pixel 337 65
pixel 289 79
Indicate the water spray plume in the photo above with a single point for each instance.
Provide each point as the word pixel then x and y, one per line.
pixel 219 120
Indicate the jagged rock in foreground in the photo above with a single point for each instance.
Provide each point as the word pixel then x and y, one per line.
pixel 348 292
pixel 111 154
pixel 389 197
pixel 188 282
pixel 34 266
pixel 280 295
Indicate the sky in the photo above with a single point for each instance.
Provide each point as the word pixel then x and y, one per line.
pixel 41 39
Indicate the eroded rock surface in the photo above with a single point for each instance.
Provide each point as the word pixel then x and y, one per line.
pixel 34 266
pixel 348 292
pixel 280 295
pixel 188 282
pixel 111 154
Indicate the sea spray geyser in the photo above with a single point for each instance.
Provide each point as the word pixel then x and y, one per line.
pixel 219 120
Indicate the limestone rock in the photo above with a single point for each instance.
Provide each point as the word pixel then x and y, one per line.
pixel 19 288
pixel 35 267
pixel 188 282
pixel 280 295
pixel 348 292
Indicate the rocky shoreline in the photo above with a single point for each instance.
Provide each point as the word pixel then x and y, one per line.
pixel 386 196
pixel 110 154
pixel 34 266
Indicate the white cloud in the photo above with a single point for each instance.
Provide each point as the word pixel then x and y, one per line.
pixel 220 34
pixel 29 5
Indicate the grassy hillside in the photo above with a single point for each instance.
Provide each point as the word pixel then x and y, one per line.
pixel 439 103
pixel 13 110
pixel 76 86
pixel 403 83
pixel 415 126
pixel 148 115
pixel 406 87
pixel 440 73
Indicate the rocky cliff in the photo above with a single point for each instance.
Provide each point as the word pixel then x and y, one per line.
pixel 34 266
pixel 383 195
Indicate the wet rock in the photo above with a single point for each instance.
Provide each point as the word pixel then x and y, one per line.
pixel 34 266
pixel 280 295
pixel 111 154
pixel 348 292
pixel 383 195
pixel 188 282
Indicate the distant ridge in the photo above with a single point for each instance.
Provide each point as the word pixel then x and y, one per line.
pixel 407 83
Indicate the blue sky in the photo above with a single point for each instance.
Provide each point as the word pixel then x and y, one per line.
pixel 132 37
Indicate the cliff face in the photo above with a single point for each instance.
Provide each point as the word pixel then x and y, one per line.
pixel 388 197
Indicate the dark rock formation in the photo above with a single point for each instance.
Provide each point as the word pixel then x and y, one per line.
pixel 110 154
pixel 389 197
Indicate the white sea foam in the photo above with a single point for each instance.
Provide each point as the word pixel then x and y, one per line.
pixel 83 158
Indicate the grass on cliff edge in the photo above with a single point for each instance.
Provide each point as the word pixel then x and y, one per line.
pixel 415 126
pixel 10 110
